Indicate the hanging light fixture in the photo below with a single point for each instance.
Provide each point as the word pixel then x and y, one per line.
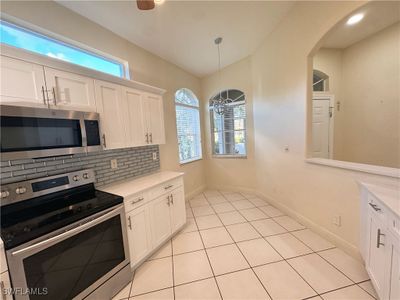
pixel 218 102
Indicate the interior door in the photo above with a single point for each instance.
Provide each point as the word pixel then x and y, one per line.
pixel 160 219
pixel 111 109
pixel 70 91
pixel 320 128
pixel 155 118
pixel 178 209
pixel 22 83
pixel 135 120
pixel 139 234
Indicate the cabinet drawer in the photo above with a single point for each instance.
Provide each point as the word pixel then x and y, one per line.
pixel 135 201
pixel 166 187
pixel 377 208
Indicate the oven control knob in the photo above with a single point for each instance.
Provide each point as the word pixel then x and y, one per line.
pixel 4 194
pixel 85 175
pixel 20 190
pixel 75 178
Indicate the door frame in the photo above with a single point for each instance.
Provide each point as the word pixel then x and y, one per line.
pixel 331 99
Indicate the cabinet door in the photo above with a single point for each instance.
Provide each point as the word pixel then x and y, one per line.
pixel 110 106
pixel 155 119
pixel 22 83
pixel 394 291
pixel 377 254
pixel 5 285
pixel 70 91
pixel 178 209
pixel 160 220
pixel 136 129
pixel 139 234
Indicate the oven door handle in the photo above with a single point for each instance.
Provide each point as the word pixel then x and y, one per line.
pixel 71 232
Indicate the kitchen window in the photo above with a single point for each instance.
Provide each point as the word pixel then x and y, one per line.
pixel 228 124
pixel 26 39
pixel 188 125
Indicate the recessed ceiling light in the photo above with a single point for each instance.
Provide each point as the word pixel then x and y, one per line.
pixel 355 19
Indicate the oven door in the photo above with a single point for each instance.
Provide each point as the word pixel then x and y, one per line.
pixel 72 263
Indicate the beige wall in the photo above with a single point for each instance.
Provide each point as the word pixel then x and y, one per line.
pixel 282 69
pixel 144 67
pixel 365 78
pixel 371 88
pixel 230 173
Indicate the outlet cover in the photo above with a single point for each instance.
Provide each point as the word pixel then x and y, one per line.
pixel 337 220
pixel 114 164
pixel 154 155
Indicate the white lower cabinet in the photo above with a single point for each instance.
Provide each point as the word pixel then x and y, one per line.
pixel 139 233
pixel 155 219
pixel 380 244
pixel 5 286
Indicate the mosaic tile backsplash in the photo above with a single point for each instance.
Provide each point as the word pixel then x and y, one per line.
pixel 132 162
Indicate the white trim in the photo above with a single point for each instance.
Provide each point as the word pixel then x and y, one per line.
pixel 331 98
pixel 188 161
pixel 372 169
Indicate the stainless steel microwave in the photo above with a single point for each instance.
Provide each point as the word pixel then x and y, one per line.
pixel 28 132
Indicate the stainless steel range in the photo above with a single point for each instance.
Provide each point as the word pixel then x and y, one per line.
pixel 64 239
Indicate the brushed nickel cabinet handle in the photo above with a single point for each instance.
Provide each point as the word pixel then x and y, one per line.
pixel 378 239
pixel 104 141
pixel 129 223
pixel 54 96
pixel 172 199
pixel 147 138
pixel 3 290
pixel 168 187
pixel 151 138
pixel 44 97
pixel 138 200
pixel 169 203
pixel 374 206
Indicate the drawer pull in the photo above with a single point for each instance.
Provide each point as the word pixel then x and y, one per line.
pixel 172 199
pixel 168 187
pixel 378 239
pixel 137 201
pixel 129 223
pixel 374 206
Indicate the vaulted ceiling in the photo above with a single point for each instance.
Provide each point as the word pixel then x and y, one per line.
pixel 183 32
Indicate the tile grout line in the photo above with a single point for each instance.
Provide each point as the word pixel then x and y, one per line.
pixel 208 258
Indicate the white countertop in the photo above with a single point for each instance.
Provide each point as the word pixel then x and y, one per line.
pixel 388 194
pixel 132 186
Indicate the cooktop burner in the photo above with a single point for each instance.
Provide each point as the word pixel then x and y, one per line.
pixel 28 219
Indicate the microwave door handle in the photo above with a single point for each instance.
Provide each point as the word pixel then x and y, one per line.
pixel 69 233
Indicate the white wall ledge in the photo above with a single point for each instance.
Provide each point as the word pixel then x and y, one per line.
pixel 372 169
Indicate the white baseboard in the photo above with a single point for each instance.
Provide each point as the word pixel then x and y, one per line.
pixel 330 236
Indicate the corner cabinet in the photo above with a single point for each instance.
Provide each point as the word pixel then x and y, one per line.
pixel 154 213
pixel 380 239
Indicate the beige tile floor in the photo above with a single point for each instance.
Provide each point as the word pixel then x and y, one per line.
pixel 237 246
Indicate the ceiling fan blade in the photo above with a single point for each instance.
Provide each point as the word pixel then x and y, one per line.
pixel 145 4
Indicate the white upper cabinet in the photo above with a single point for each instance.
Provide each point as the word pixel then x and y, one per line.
pixel 22 83
pixel 136 127
pixel 70 91
pixel 154 114
pixel 110 106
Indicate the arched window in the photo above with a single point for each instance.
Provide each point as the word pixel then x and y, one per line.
pixel 188 125
pixel 228 123
pixel 320 81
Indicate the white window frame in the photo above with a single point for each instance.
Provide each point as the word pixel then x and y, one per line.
pixel 211 109
pixel 36 30
pixel 200 157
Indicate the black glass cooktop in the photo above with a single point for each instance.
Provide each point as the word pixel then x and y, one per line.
pixel 26 220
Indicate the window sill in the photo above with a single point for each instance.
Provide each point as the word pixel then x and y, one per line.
pixel 229 156
pixel 190 161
